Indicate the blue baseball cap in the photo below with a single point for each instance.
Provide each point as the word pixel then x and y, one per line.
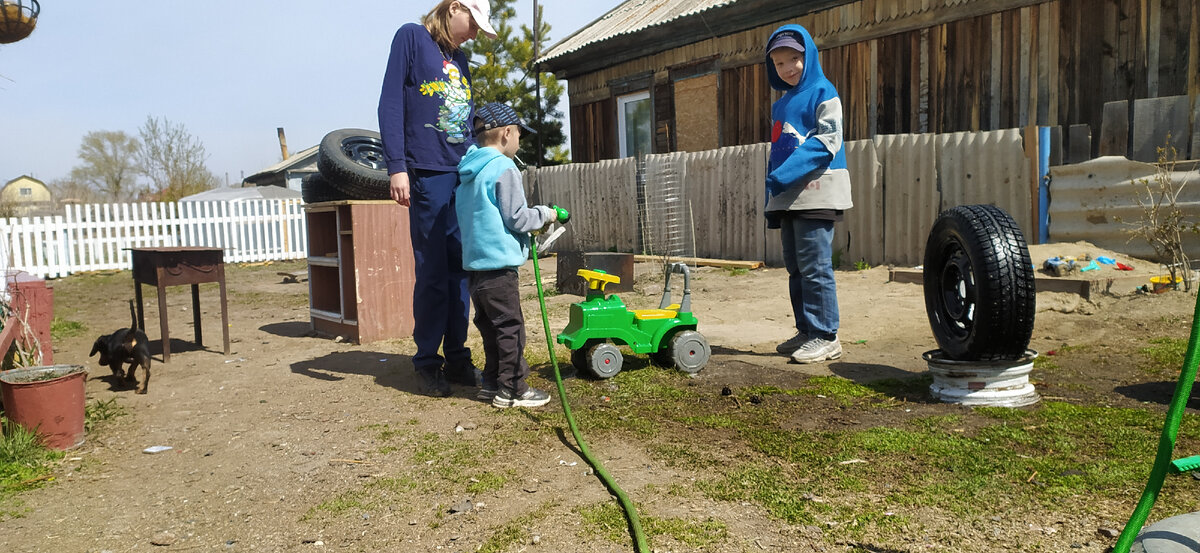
pixel 496 115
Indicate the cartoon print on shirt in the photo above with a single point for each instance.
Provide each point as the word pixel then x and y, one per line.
pixel 456 103
pixel 784 140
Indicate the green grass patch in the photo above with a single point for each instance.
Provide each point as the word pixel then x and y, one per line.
pixel 488 481
pixel 373 495
pixel 608 520
pixel 61 328
pixel 1166 354
pixel 846 392
pixel 450 458
pixel 516 531
pixel 101 411
pixel 24 465
pixel 963 464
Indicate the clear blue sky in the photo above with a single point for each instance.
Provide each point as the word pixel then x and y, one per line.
pixel 231 71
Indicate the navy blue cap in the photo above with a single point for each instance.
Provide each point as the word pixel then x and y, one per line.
pixel 789 38
pixel 496 115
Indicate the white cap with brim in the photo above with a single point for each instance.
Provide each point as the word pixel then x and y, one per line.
pixel 790 39
pixel 481 12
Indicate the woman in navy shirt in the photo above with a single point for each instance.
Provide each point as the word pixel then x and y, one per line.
pixel 425 111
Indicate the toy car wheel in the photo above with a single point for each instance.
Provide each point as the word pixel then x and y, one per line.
pixel 604 360
pixel 979 284
pixel 663 357
pixel 579 358
pixel 690 351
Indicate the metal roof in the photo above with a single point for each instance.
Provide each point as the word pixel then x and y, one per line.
pixel 629 17
pixel 645 27
pixel 300 158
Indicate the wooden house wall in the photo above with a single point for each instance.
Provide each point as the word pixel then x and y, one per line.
pixel 938 66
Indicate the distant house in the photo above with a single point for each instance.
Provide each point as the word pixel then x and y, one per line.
pixel 688 75
pixel 25 196
pixel 287 173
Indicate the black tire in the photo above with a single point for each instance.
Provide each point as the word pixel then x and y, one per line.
pixel 314 188
pixel 353 161
pixel 979 284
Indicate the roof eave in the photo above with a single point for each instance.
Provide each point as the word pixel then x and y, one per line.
pixel 689 29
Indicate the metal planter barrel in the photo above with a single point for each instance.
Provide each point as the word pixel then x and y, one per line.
pixel 48 400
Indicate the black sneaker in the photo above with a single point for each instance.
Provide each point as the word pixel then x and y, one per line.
pixel 463 375
pixel 485 394
pixel 531 398
pixel 432 382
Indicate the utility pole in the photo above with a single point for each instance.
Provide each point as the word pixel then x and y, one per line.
pixel 537 77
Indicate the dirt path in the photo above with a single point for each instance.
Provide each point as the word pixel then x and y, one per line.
pixel 299 443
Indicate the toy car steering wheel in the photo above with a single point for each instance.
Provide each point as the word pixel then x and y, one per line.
pixel 598 279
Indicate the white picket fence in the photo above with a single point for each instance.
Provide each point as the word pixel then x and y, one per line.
pixel 98 236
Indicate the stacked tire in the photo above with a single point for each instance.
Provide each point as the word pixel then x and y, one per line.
pixel 351 166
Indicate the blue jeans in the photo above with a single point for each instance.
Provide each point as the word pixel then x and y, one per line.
pixel 808 256
pixel 441 302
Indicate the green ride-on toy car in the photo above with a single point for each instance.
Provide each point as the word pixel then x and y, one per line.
pixel 598 324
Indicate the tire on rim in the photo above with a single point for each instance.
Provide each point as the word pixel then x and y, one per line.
pixel 314 188
pixel 353 161
pixel 979 284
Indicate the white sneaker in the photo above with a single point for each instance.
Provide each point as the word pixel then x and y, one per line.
pixel 532 397
pixel 816 350
pixel 788 346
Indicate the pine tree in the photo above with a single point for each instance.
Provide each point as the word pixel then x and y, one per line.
pixel 502 71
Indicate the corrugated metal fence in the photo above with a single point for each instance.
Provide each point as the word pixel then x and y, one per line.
pixel 1097 201
pixel 899 184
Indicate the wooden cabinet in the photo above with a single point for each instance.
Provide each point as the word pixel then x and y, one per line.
pixel 360 270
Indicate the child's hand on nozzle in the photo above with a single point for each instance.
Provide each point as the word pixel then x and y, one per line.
pixel 549 216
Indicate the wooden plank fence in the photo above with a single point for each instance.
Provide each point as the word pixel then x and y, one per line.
pixel 98 236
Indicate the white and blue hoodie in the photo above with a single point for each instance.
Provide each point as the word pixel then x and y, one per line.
pixel 492 214
pixel 807 167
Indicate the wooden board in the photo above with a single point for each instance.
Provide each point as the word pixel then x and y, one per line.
pixel 702 261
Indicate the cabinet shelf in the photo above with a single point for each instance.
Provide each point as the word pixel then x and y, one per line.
pixel 361 273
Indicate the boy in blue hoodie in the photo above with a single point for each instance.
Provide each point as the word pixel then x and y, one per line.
pixel 808 189
pixel 496 223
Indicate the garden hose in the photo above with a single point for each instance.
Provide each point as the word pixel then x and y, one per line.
pixel 635 524
pixel 1166 443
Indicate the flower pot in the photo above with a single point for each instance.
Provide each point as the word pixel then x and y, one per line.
pixel 48 400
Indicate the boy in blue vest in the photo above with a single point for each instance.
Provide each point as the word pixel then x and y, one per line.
pixel 808 189
pixel 495 224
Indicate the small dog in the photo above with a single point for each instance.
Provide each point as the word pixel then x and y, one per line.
pixel 125 345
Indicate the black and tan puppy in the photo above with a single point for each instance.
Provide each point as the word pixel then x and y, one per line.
pixel 128 345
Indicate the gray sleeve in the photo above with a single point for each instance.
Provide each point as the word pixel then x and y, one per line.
pixel 510 198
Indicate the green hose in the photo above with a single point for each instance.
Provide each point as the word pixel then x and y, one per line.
pixel 635 524
pixel 1166 443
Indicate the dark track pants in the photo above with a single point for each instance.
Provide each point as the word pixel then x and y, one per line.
pixel 502 325
pixel 441 302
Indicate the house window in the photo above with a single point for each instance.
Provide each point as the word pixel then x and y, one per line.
pixel 633 124
pixel 26 191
